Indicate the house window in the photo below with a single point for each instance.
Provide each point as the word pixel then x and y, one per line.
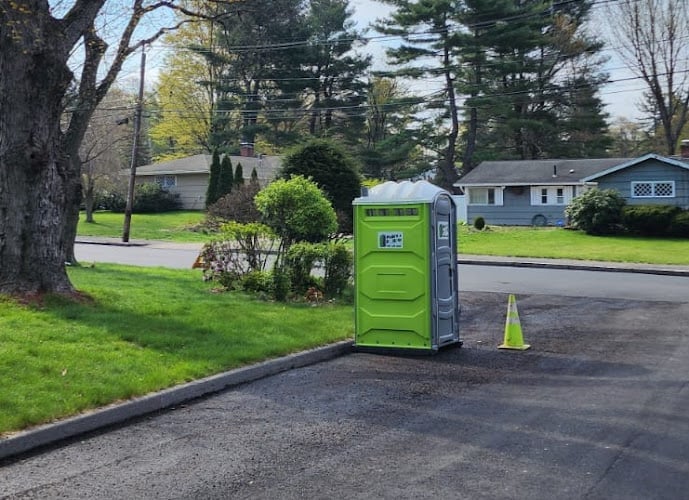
pixel 551 195
pixel 653 189
pixel 166 181
pixel 485 196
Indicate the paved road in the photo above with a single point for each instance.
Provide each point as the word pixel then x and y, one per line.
pixel 596 409
pixel 481 278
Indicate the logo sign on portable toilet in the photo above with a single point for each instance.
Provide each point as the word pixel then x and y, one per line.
pixel 405 243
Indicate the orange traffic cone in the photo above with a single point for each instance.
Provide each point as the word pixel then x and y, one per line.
pixel 513 328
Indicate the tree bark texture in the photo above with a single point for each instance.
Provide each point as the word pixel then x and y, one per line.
pixel 34 171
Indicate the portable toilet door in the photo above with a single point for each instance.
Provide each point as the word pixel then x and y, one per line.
pixel 406 286
pixel 444 267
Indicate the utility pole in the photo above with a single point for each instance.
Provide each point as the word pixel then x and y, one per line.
pixel 135 150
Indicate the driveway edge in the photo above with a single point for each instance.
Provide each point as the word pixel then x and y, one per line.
pixel 48 434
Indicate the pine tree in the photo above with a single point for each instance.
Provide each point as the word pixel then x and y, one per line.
pixel 239 175
pixel 213 178
pixel 226 179
pixel 254 177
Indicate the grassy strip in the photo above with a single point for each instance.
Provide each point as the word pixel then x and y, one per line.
pixel 146 329
pixel 168 226
pixel 567 244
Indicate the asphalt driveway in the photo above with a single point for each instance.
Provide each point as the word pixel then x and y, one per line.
pixel 596 409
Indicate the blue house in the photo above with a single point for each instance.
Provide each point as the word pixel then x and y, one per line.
pixel 536 192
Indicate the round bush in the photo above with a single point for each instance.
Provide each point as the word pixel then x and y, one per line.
pixel 479 223
pixel 596 211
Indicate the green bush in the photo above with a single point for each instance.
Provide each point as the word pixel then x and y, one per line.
pixel 679 227
pixel 300 261
pixel 649 220
pixel 149 197
pixel 337 262
pixel 296 210
pixel 257 282
pixel 479 223
pixel 596 211
pixel 281 284
pixel 334 171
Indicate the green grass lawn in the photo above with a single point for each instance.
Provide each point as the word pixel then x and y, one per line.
pixel 568 244
pixel 146 329
pixel 167 226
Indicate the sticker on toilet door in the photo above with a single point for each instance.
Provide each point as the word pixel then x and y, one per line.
pixel 391 240
pixel 443 230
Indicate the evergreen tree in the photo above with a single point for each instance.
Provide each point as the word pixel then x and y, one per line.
pixel 427 30
pixel 226 178
pixel 392 149
pixel 529 96
pixel 333 69
pixel 332 169
pixel 250 79
pixel 213 179
pixel 254 177
pixel 239 175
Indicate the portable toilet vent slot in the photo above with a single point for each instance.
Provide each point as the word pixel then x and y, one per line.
pixel 405 267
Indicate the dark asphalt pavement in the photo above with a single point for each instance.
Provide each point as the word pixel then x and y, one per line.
pixel 596 409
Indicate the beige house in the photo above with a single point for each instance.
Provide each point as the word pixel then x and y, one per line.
pixel 189 176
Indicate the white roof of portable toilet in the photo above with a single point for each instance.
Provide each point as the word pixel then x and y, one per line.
pixel 401 192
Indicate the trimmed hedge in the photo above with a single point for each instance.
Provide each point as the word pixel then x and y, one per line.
pixel 679 227
pixel 649 220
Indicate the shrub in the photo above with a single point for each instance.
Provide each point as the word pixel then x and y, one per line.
pixel 257 282
pixel 149 197
pixel 280 284
pixel 332 169
pixel 113 201
pixel 596 211
pixel 296 210
pixel 239 249
pixel 237 206
pixel 649 220
pixel 299 262
pixel 679 226
pixel 337 262
pixel 479 223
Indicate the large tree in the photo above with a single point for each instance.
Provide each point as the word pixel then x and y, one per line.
pixel 427 29
pixel 335 88
pixel 533 73
pixel 652 37
pixel 40 167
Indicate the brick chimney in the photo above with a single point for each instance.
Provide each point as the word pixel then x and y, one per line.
pixel 684 149
pixel 246 149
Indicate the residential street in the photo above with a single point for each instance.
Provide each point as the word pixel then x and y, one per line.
pixel 596 409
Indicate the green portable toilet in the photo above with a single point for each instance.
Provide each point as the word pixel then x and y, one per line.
pixel 405 267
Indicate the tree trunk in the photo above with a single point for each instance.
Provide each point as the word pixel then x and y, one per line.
pixel 34 169
pixel 447 164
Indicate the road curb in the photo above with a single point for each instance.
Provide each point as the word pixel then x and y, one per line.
pixel 48 434
pixel 604 267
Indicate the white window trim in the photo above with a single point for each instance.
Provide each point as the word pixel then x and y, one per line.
pixel 653 189
pixel 536 193
pixel 498 194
